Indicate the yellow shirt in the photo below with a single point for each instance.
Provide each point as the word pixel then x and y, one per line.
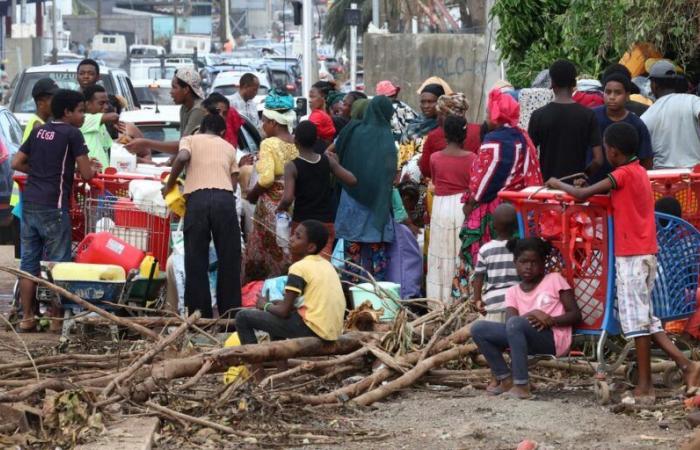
pixel 324 303
pixel 274 154
pixel 34 121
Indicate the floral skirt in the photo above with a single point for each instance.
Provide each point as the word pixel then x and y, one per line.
pixel 264 258
pixel 372 257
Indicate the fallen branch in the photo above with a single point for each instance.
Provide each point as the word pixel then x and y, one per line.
pixel 455 314
pixel 150 354
pixel 350 391
pixel 311 366
pixel 59 360
pixel 85 304
pixel 158 322
pixel 24 344
pixel 196 420
pixel 222 359
pixel 21 394
pixel 414 374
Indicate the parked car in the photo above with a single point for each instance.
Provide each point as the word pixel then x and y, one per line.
pixel 285 76
pixel 153 92
pixel 165 126
pixel 227 84
pixel 11 136
pixel 115 81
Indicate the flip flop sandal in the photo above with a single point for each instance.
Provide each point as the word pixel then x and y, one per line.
pixel 628 398
pixel 495 390
pixel 518 396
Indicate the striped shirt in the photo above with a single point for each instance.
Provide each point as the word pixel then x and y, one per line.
pixel 212 162
pixel 496 262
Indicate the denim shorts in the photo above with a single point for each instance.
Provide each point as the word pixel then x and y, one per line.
pixel 46 235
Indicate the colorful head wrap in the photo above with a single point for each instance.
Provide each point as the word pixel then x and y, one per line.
pixel 286 118
pixel 503 109
pixel 279 101
pixel 453 105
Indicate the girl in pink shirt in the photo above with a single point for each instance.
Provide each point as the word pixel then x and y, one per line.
pixel 540 314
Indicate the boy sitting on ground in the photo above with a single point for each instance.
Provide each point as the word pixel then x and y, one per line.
pixel 635 255
pixel 311 276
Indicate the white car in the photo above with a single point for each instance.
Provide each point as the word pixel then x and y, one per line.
pixel 115 81
pixel 227 83
pixel 155 95
pixel 160 125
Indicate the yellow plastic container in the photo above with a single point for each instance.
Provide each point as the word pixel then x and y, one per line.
pixel 234 372
pixel 69 271
pixel 175 200
pixel 149 261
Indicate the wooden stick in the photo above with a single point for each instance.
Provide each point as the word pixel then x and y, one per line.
pixel 24 344
pixel 21 394
pixel 150 354
pixel 65 359
pixel 414 374
pixel 196 420
pixel 455 314
pixel 159 321
pixel 310 366
pixel 248 354
pixel 206 367
pixel 87 305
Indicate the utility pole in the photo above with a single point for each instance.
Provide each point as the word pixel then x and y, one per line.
pixel 99 16
pixel 174 17
pixel 54 32
pixel 23 12
pixel 307 48
pixel 224 21
pixel 353 51
pixel 375 13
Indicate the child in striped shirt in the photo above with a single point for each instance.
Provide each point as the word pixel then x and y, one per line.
pixel 495 270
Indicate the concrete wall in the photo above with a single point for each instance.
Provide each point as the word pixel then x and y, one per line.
pixel 83 28
pixel 463 60
pixel 20 53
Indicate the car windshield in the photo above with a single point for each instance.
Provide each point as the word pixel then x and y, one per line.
pixel 23 101
pixel 154 72
pixel 166 132
pixel 152 95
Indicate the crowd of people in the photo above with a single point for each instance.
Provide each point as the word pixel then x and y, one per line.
pixel 361 177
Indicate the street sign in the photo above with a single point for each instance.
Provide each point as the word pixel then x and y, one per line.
pixel 353 17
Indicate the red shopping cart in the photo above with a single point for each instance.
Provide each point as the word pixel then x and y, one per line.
pixel 582 234
pixel 681 184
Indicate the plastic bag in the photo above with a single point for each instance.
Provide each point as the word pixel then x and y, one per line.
pixel 283 229
pixel 234 372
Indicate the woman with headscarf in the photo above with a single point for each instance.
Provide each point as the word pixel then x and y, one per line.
pixel 507 160
pixel 363 219
pixel 264 258
pixel 455 104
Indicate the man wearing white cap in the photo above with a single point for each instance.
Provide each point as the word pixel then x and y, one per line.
pixel 673 120
pixel 187 92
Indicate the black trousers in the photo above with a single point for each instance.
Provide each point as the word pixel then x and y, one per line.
pixel 211 213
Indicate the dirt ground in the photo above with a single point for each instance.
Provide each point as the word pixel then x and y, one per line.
pixel 422 418
pixel 469 419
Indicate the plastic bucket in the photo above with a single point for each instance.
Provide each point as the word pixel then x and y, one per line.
pixel 365 291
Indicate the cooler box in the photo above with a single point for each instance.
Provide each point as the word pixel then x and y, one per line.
pixel 105 248
pixel 365 291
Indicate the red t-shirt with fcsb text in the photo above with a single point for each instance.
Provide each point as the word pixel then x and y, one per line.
pixel 633 211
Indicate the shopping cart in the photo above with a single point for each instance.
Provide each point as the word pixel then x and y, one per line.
pixel 681 184
pixel 582 235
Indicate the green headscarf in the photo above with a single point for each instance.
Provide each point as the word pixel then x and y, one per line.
pixel 334 97
pixel 357 110
pixel 366 148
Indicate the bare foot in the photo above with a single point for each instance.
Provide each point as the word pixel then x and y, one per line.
pixel 691 375
pixel 644 391
pixel 492 383
pixel 506 384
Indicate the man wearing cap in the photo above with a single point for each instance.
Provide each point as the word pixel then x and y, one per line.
pixel 42 93
pixel 673 120
pixel 403 113
pixel 187 92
